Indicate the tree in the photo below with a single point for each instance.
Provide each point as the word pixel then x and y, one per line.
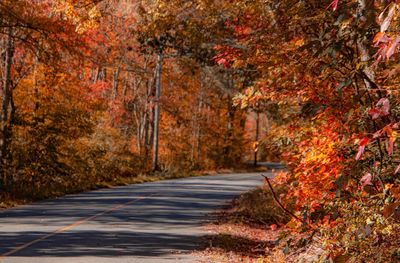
pixel 326 71
pixel 28 30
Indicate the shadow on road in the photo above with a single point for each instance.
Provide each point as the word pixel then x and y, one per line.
pixel 104 244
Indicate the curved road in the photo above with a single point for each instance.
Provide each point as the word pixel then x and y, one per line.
pixel 150 222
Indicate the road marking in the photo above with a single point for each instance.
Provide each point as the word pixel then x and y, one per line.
pixel 75 224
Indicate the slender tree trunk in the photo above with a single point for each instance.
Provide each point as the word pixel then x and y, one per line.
pixel 150 117
pixel 97 75
pixel 229 129
pixel 257 138
pixel 104 74
pixel 7 107
pixel 157 111
pixel 35 82
pixel 146 140
pixel 93 73
pixel 115 82
pixel 125 89
pixel 199 119
pixel 230 121
pixel 196 126
pixel 143 128
pixel 363 43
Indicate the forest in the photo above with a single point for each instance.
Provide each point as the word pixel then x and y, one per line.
pixel 98 91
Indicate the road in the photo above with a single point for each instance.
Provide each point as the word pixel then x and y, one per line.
pixel 151 222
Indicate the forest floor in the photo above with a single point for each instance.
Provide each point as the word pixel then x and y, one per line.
pixel 234 235
pixel 8 200
pixel 230 241
pixel 251 230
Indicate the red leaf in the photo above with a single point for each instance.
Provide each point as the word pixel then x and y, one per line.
pixel 381 53
pixel 364 142
pixel 389 146
pixel 361 150
pixel 384 105
pixel 274 227
pixel 397 169
pixel 334 5
pixel 221 61
pixel 374 113
pixel 366 179
pixel 392 48
pixel 382 109
pixel 386 22
pixel 377 134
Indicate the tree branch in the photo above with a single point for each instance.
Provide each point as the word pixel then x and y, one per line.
pixel 280 204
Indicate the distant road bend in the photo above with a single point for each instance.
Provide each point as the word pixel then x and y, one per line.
pixel 151 222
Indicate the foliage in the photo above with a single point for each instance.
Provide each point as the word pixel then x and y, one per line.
pixel 333 73
pixel 78 94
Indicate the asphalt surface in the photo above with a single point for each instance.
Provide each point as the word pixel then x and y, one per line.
pixel 151 222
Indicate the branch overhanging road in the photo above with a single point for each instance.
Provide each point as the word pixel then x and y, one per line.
pixel 150 222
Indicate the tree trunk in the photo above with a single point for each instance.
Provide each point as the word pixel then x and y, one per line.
pixel 96 75
pixel 196 127
pixel 229 129
pixel 257 138
pixel 157 111
pixel 35 83
pixel 199 118
pixel 363 43
pixel 7 107
pixel 115 82
pixel 230 121
pixel 150 118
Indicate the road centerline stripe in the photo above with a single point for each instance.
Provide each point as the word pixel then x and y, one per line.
pixel 71 226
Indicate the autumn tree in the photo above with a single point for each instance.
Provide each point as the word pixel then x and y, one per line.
pixel 328 72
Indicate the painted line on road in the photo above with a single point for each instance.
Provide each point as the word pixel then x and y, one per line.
pixel 75 224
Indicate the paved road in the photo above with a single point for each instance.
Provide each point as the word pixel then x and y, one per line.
pixel 275 166
pixel 151 222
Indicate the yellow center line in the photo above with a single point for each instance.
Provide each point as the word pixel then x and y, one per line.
pixel 75 224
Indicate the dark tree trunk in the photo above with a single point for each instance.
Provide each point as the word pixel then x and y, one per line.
pixel 115 82
pixel 231 110
pixel 8 108
pixel 157 111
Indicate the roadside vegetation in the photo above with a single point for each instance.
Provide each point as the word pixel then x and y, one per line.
pixel 248 230
pixel 328 80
